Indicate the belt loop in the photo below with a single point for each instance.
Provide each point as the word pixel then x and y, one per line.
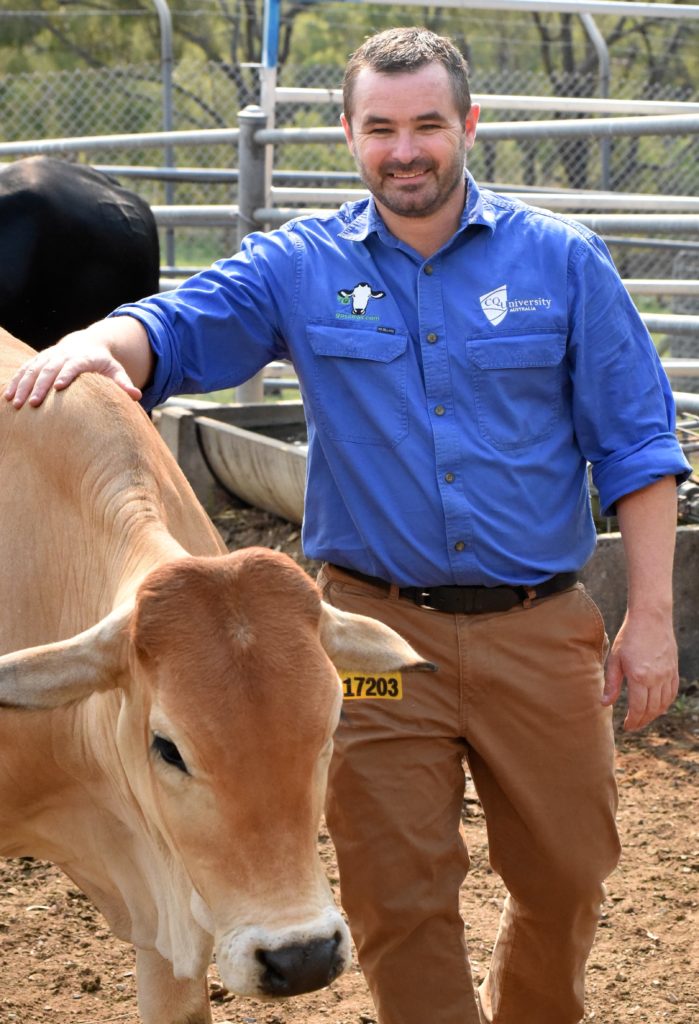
pixel 531 596
pixel 394 592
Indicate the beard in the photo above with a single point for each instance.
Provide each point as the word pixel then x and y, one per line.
pixel 420 200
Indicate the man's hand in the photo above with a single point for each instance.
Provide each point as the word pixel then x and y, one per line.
pixel 645 653
pixel 59 365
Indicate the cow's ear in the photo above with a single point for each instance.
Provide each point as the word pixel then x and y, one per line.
pixel 54 674
pixel 350 639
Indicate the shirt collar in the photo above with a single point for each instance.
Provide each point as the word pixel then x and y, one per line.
pixel 477 208
pixel 362 218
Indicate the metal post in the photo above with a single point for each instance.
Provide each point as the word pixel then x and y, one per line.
pixel 604 75
pixel 268 78
pixel 251 195
pixel 251 165
pixel 166 62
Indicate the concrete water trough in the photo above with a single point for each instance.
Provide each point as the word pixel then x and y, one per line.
pixel 258 453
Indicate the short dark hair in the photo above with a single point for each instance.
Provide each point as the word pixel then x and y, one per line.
pixel 408 49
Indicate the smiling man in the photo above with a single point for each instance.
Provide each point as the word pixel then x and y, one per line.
pixel 462 357
pixel 409 134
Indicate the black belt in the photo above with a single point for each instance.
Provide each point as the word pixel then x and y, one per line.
pixel 472 600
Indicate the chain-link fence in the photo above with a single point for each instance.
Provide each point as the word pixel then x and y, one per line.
pixel 108 101
pixel 685 266
pixel 502 47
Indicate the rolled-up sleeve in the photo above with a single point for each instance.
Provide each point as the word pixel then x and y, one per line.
pixel 623 408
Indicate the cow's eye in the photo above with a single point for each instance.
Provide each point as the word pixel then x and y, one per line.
pixel 167 750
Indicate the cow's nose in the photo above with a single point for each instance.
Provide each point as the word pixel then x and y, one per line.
pixel 302 967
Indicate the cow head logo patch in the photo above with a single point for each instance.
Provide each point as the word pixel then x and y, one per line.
pixel 494 304
pixel 359 296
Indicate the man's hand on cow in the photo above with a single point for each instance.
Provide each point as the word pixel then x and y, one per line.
pixel 80 352
pixel 645 654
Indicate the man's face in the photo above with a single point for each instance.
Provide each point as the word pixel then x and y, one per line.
pixel 408 139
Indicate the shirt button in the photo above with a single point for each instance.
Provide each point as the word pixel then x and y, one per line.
pixel 449 477
pixel 431 337
pixel 428 269
pixel 439 410
pixel 459 546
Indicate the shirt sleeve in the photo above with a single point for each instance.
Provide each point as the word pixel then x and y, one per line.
pixel 623 407
pixel 221 326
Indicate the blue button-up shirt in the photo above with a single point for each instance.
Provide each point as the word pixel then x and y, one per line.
pixel 452 402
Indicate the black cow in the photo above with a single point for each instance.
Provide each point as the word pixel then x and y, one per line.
pixel 74 245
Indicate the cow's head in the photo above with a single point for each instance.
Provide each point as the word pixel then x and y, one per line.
pixel 360 295
pixel 231 697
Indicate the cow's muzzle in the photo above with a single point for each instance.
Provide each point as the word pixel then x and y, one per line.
pixel 301 967
pixel 273 963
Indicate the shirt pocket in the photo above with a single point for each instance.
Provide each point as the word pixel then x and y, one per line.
pixel 359 384
pixel 518 387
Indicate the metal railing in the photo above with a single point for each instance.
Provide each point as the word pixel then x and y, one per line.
pixel 253 211
pixel 514 101
pixel 618 8
pixel 673 124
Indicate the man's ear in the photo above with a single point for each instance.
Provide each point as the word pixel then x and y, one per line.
pixel 347 128
pixel 471 124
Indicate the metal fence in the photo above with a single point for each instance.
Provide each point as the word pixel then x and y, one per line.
pixel 128 98
pixel 112 100
pixel 252 212
pixel 501 47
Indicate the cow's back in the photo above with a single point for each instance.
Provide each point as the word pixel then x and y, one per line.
pixel 91 500
pixel 74 245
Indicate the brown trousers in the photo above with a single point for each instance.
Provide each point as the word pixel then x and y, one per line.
pixel 516 698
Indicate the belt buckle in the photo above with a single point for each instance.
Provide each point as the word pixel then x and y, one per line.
pixel 424 599
pixel 462 602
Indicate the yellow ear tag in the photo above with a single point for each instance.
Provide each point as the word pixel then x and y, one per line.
pixel 358 686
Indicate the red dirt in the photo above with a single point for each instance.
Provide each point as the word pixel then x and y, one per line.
pixel 59 964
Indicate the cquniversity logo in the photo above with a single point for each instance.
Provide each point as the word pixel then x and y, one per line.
pixel 494 304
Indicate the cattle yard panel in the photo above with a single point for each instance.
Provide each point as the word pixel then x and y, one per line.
pixel 499 39
pixel 591 208
pixel 262 203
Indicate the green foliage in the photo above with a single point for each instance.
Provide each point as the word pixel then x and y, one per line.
pixel 63 34
pixel 54 35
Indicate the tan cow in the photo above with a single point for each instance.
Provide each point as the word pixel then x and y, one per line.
pixel 166 735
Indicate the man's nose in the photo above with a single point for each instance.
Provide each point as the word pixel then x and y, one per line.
pixel 405 147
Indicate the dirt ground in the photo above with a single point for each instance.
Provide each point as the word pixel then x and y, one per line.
pixel 59 963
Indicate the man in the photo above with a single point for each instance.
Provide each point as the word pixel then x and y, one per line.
pixel 461 358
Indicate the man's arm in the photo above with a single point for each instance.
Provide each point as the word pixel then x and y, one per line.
pixel 117 347
pixel 645 651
